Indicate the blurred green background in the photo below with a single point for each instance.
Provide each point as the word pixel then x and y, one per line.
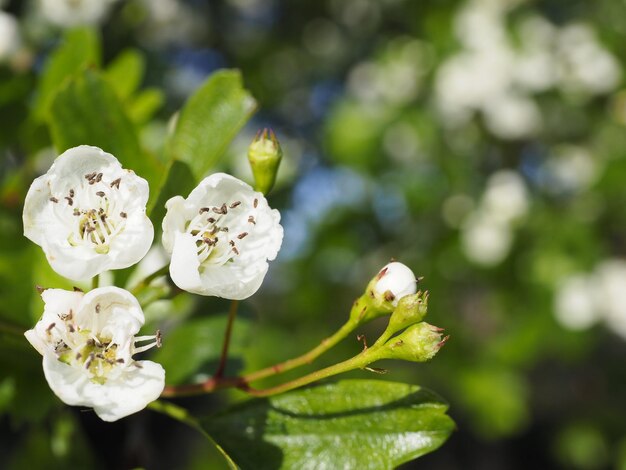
pixel 481 142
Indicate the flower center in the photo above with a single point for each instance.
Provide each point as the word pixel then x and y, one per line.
pixel 219 231
pixel 91 351
pixel 94 211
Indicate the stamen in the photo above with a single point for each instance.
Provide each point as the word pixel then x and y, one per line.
pixel 54 199
pixel 123 215
pixel 70 201
pixel 204 209
pixel 242 235
pixel 116 183
pixel 256 203
pixel 71 193
pixel 98 177
pixel 100 193
pixel 251 220
pixel 235 204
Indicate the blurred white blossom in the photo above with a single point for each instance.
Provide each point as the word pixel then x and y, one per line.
pixel 70 13
pixel 582 299
pixel 10 38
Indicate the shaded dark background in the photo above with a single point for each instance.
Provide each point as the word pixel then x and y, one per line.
pixel 482 143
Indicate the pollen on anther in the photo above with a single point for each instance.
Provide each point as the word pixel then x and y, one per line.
pixel 100 193
pixel 70 201
pixel 123 215
pixel 54 199
pixel 116 183
pixel 235 204
pixel 204 209
pixel 251 220
pixel 242 235
pixel 256 203
pixel 98 177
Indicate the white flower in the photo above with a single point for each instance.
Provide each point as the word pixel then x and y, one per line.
pixel 9 36
pixel 87 342
pixel 394 281
pixel 88 214
pixel 69 13
pixel 221 238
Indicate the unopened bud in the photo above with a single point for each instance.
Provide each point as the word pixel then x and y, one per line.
pixel 264 155
pixel 393 282
pixel 411 309
pixel 384 291
pixel 418 343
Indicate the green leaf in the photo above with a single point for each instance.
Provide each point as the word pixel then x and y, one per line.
pixel 210 119
pixel 196 345
pixel 125 73
pixel 79 49
pixel 88 111
pixel 143 106
pixel 349 424
pixel 207 124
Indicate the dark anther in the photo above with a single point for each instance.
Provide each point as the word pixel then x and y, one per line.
pixel 116 183
pixel 204 209
pixel 123 215
pixel 54 199
pixel 98 177
pixel 100 193
pixel 241 235
pixel 70 201
pixel 251 220
pixel 256 203
pixel 235 204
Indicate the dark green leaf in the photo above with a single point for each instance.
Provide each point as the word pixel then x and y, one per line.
pixel 197 345
pixel 210 120
pixel 88 111
pixel 79 49
pixel 349 424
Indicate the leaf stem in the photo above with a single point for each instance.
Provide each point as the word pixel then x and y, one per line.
pixel 181 414
pixel 306 358
pixel 359 361
pixel 232 314
pixel 12 329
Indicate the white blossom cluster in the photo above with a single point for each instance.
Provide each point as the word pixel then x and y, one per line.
pixel 89 216
pixel 497 74
pixel 488 231
pixel 585 299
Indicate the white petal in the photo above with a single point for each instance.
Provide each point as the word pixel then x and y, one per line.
pixel 118 316
pixel 130 246
pixel 397 278
pixel 174 221
pixel 115 399
pixel 131 393
pixel 184 266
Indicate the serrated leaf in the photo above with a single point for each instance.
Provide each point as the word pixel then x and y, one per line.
pixel 125 72
pixel 80 48
pixel 197 345
pixel 349 424
pixel 210 119
pixel 88 111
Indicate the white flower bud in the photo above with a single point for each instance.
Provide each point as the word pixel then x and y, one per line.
pixel 88 214
pixel 87 342
pixel 221 238
pixel 393 282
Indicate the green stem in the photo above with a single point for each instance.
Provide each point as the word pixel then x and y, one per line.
pixel 145 282
pixel 95 282
pixel 357 362
pixel 232 314
pixel 181 414
pixel 306 358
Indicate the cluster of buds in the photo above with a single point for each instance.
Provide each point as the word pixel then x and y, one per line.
pixel 393 291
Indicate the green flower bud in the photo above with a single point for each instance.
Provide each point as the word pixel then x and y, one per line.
pixel 411 309
pixel 264 155
pixel 418 343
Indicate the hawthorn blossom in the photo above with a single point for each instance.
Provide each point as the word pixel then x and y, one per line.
pixel 70 13
pixel 394 281
pixel 88 214
pixel 87 342
pixel 221 238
